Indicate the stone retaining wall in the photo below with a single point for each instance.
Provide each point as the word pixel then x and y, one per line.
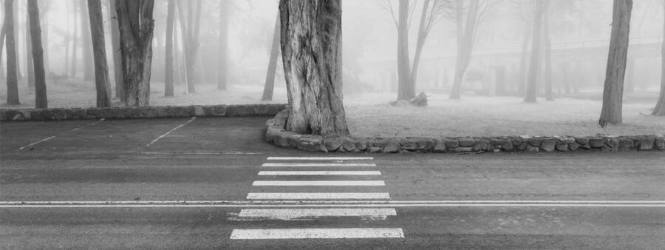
pixel 276 135
pixel 57 114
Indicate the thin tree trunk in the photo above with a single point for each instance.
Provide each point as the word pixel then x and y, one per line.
pixel 12 69
pixel 136 26
pixel 222 71
pixel 272 64
pixel 99 51
pixel 549 96
pixel 88 70
pixel 403 71
pixel 38 55
pixel 616 63
pixel 536 50
pixel 465 39
pixel 29 68
pixel 68 31
pixel 311 32
pixel 420 43
pixel 523 59
pixel 17 31
pixel 74 61
pixel 168 68
pixel 659 110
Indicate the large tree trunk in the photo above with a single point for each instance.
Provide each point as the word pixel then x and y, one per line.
pixel 3 33
pixel 136 26
pixel 189 24
pixel 272 64
pixel 659 110
pixel 99 51
pixel 117 57
pixel 311 32
pixel 10 41
pixel 168 68
pixel 222 71
pixel 536 50
pixel 465 38
pixel 403 68
pixel 616 64
pixel 37 55
pixel 549 96
pixel 88 70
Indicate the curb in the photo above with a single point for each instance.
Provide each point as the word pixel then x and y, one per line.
pixel 277 135
pixel 153 112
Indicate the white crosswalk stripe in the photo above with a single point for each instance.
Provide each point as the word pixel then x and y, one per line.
pixel 318 183
pixel 354 168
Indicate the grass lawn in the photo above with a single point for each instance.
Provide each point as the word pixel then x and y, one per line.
pixel 495 116
pixel 370 114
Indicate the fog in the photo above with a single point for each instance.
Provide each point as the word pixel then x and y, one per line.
pixel 579 32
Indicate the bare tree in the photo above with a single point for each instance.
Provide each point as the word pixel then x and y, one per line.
pixel 659 110
pixel 190 13
pixel 168 68
pixel 222 71
pixel 616 63
pixel 99 52
pixel 311 32
pixel 88 70
pixel 404 91
pixel 115 46
pixel 549 96
pixel 272 64
pixel 37 55
pixel 30 70
pixel 10 44
pixel 136 26
pixel 536 52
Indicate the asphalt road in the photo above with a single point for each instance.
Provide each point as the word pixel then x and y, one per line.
pixel 203 160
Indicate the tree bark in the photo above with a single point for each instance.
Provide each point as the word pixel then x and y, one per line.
pixel 74 59
pixel 117 57
pixel 311 32
pixel 10 42
pixel 659 110
pixel 465 38
pixel 272 64
pixel 3 34
pixel 222 73
pixel 403 68
pixel 536 50
pixel 99 52
pixel 136 26
pixel 37 55
pixel 168 68
pixel 616 64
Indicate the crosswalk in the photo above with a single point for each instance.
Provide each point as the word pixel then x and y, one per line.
pixel 323 180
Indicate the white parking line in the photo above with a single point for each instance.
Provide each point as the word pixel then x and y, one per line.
pixel 35 143
pixel 297 213
pixel 272 165
pixel 317 196
pixel 170 131
pixel 316 233
pixel 319 183
pixel 320 158
pixel 318 173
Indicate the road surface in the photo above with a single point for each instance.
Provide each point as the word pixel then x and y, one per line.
pixel 214 183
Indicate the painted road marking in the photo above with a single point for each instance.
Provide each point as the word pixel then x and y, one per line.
pixel 316 196
pixel 330 203
pixel 170 131
pixel 35 143
pixel 296 213
pixel 316 233
pixel 319 183
pixel 273 165
pixel 320 158
pixel 318 173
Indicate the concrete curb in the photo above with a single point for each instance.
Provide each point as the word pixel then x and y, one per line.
pixel 277 135
pixel 152 112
